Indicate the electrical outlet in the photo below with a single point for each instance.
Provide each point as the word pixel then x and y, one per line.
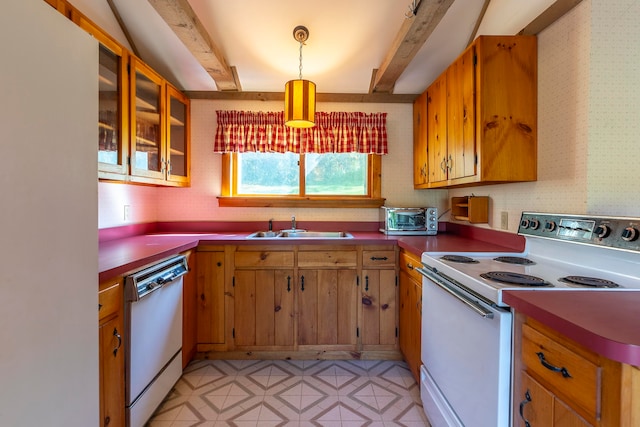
pixel 127 212
pixel 504 220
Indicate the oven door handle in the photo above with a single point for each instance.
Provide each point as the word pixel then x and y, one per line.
pixel 473 305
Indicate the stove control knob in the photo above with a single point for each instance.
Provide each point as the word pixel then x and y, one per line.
pixel 525 223
pixel 535 224
pixel 550 226
pixel 602 231
pixel 629 234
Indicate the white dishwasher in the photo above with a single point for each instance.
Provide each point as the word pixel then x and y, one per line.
pixel 153 316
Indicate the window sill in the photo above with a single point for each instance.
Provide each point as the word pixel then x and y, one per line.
pixel 300 202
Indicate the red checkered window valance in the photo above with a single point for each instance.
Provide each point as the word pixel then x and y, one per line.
pixel 334 132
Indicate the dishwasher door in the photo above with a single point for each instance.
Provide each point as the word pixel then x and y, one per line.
pixel 154 349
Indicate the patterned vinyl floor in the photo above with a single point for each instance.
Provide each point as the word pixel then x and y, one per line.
pixel 265 393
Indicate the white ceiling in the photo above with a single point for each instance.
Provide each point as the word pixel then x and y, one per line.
pixel 348 39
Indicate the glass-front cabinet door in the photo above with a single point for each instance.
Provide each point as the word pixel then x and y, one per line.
pixel 147 126
pixel 113 138
pixel 177 136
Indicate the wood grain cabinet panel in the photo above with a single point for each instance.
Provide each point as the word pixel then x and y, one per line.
pixel 410 311
pixel 569 385
pixel 111 353
pixel 210 299
pixel 481 126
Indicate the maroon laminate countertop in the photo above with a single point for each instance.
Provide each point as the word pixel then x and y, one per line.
pixel 123 255
pixel 606 322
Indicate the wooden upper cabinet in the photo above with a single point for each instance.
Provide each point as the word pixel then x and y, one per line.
pixel 482 115
pixel 461 147
pixel 147 127
pixel 143 121
pixel 420 167
pixel 178 138
pixel 437 131
pixel 113 109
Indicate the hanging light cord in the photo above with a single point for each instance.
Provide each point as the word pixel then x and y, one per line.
pixel 300 69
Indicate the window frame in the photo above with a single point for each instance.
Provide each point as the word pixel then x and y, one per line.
pixel 229 197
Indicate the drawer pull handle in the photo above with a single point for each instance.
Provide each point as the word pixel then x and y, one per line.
pixel 374 258
pixel 288 283
pixel 409 266
pixel 366 286
pixel 527 399
pixel 302 283
pixel 550 367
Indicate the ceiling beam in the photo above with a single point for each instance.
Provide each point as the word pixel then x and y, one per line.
pixel 380 98
pixel 549 16
pixel 181 18
pixel 412 35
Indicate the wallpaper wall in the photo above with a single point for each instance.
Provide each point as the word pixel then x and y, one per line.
pixel 588 119
pixel 588 115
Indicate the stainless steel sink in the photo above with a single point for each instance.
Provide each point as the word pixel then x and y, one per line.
pixel 264 235
pixel 300 234
pixel 316 235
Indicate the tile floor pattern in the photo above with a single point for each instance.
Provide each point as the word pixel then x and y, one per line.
pixel 265 393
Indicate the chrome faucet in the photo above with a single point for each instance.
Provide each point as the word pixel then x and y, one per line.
pixel 293 222
pixel 271 224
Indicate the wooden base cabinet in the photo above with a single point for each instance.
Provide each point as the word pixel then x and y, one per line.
pixel 111 354
pixel 410 311
pixel 210 299
pixel 563 384
pixel 378 298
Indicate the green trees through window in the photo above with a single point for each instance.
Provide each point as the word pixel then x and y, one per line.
pixel 335 174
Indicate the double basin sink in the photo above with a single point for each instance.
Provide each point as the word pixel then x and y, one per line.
pixel 300 234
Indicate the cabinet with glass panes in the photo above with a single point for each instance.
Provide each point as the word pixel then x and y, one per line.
pixel 143 121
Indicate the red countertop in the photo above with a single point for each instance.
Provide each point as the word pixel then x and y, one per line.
pixel 124 253
pixel 606 322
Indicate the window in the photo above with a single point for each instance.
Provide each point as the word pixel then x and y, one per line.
pixel 288 179
pixel 334 164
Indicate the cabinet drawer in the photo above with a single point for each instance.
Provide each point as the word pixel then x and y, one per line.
pixel 409 262
pixel 109 300
pixel 565 373
pixel 264 259
pixel 327 259
pixel 379 258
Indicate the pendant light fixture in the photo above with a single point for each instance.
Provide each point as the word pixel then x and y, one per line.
pixel 300 95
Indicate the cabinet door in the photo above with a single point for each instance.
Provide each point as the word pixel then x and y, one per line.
pixel 536 404
pixel 461 117
pixel 437 130
pixel 263 308
pixel 378 301
pixel 178 138
pixel 113 117
pixel 410 322
pixel 111 361
pixel 327 308
pixel 420 168
pixel 210 298
pixel 147 127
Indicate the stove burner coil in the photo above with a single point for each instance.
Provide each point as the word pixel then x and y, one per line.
pixel 589 281
pixel 459 258
pixel 514 278
pixel 514 260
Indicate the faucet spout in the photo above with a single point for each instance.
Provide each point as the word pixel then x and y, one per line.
pixel 293 222
pixel 271 224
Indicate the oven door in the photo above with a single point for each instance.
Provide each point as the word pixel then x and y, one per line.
pixel 466 352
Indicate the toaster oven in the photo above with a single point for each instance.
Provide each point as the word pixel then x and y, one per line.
pixel 409 221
